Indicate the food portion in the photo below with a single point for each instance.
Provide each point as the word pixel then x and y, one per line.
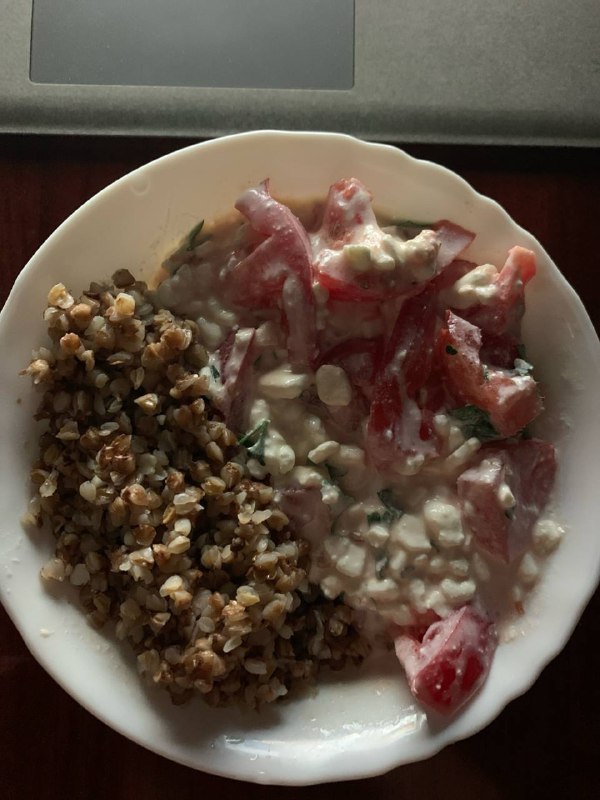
pixel 310 439
pixel 155 516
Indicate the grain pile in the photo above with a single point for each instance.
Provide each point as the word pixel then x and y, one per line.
pixel 155 519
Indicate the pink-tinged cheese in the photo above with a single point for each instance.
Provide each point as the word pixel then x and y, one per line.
pixel 503 496
pixel 235 360
pixel 278 270
pixel 512 401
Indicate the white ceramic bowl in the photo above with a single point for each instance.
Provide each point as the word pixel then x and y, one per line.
pixel 365 723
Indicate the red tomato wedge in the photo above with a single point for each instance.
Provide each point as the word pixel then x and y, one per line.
pixel 454 240
pixel 499 351
pixel 236 355
pixel 278 270
pixel 360 359
pixel 348 205
pixel 451 662
pixel 512 401
pixel 348 218
pixel 504 313
pixel 452 273
pixel 505 493
pixel 395 419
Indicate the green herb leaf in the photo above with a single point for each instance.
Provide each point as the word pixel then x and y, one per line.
pixel 387 498
pixel 486 373
pixel 452 351
pixel 214 372
pixel 390 512
pixel 411 223
pixel 474 421
pixel 387 517
pixel 254 441
pixel 381 562
pixel 191 239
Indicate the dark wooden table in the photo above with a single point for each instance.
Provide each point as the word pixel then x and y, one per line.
pixel 545 744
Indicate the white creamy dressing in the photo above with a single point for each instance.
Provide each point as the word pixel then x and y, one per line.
pixel 474 288
pixel 400 560
pixel 371 247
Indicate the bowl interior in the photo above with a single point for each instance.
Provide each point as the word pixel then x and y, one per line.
pixel 357 724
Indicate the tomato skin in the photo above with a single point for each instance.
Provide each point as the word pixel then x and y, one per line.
pixel 528 468
pixel 503 315
pixel 370 290
pixel 279 270
pixel 360 359
pixel 511 401
pixel 452 660
pixel 499 351
pixel 395 421
pixel 453 272
pixel 236 356
pixel 348 206
pixel 454 240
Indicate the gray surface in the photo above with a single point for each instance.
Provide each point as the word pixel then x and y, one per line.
pixel 443 71
pixel 273 44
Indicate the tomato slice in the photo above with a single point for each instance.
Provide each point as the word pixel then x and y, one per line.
pixel 395 419
pixel 367 289
pixel 512 401
pixel 453 272
pixel 504 313
pixel 505 493
pixel 499 351
pixel 347 209
pixel 451 662
pixel 236 356
pixel 278 270
pixel 454 240
pixel 360 359
pixel 348 205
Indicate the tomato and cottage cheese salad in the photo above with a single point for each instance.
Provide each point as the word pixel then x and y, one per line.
pixel 377 385
pixel 379 379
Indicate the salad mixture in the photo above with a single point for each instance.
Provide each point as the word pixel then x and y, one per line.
pixel 374 381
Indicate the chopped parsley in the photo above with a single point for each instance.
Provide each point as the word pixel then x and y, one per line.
pixel 474 421
pixel 452 351
pixel 391 510
pixel 214 372
pixel 191 238
pixel 254 441
pixel 486 373
pixel 381 562
pixel 411 223
pixel 387 498
pixel 386 516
